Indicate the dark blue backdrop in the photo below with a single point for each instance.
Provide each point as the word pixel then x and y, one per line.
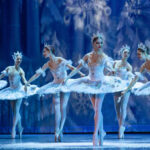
pixel 25 25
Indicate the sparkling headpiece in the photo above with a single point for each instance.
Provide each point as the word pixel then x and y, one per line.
pixel 123 48
pixel 99 35
pixel 142 46
pixel 47 46
pixel 16 55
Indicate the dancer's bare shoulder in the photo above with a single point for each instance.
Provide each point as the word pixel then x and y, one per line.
pixel 86 57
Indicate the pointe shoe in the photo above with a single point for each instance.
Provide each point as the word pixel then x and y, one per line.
pixel 20 133
pixel 102 135
pixel 60 137
pixel 56 137
pixel 95 140
pixel 121 132
pixel 13 134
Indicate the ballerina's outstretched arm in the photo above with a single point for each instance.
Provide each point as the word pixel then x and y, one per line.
pixel 78 68
pixel 40 71
pixel 74 72
pixel 73 68
pixel 2 76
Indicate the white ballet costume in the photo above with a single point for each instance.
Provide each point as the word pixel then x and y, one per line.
pixel 127 76
pixel 121 106
pixel 96 82
pixel 14 93
pixel 59 74
pixel 16 89
pixel 145 88
pixel 61 94
pixel 3 83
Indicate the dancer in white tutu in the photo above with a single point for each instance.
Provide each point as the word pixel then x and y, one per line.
pixel 58 67
pixel 143 53
pixel 124 70
pixel 15 92
pixel 96 83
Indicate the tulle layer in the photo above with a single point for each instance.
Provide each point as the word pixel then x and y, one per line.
pixel 3 83
pixel 53 87
pixel 19 93
pixel 143 89
pixel 109 84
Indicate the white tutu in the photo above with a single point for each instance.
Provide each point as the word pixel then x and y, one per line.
pixel 17 93
pixel 143 89
pixel 2 84
pixel 53 87
pixel 109 84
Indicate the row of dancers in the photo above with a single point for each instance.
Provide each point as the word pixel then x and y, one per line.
pixel 118 79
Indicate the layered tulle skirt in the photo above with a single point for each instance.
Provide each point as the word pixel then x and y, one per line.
pixel 3 83
pixel 53 87
pixel 108 84
pixel 17 93
pixel 143 90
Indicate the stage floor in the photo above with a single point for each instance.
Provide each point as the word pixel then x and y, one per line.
pixel 75 141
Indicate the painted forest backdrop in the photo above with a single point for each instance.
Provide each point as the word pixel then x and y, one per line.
pixel 25 25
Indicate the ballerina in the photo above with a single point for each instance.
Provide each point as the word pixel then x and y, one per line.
pixel 58 67
pixel 124 70
pixel 15 92
pixel 96 83
pixel 143 54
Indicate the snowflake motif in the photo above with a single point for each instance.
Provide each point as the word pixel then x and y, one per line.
pixel 134 8
pixel 87 15
pixel 82 104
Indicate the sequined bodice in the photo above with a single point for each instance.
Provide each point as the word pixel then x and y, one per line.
pixel 60 73
pixel 122 73
pixel 14 78
pixel 96 71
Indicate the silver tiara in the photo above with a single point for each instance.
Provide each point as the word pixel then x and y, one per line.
pixel 142 46
pixel 99 35
pixel 123 48
pixel 16 55
pixel 47 46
